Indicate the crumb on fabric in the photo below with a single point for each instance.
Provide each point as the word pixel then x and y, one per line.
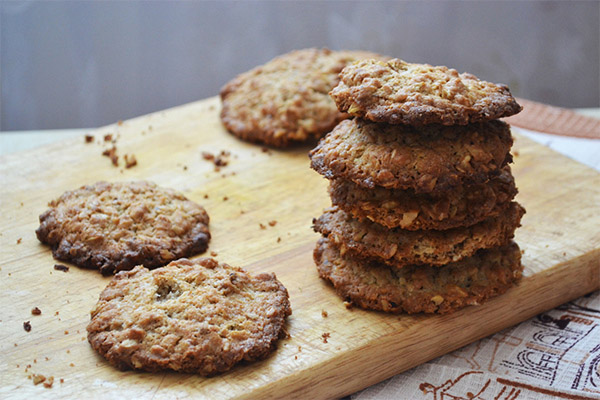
pixel 89 138
pixel 324 314
pixel 272 223
pixel 19 240
pixel 225 198
pixel 325 336
pixel 38 378
pixel 112 154
pixel 130 160
pixel 108 137
pixel 262 226
pixel 27 326
pixel 61 267
pixel 279 240
pixel 206 196
pixel 213 254
pixel 348 305
pixel 49 382
pixel 36 311
pixel 119 122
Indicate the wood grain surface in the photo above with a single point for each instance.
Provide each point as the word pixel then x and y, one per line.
pixel 560 237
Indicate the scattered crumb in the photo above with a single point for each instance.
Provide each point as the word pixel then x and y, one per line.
pixel 62 380
pixel 119 122
pixel 266 150
pixel 15 344
pixel 38 378
pixel 112 154
pixel 149 127
pixel 71 365
pixel 19 240
pixel 49 382
pixel 324 314
pixel 272 223
pixel 278 240
pixel 348 305
pixel 206 196
pixel 325 336
pixel 207 156
pixel 61 267
pixel 89 138
pixel 225 198
pixel 56 313
pixel 130 160
pixel 262 226
pixel 36 311
pixel 66 332
pixel 185 167
pixel 295 357
pixel 516 153
pixel 564 253
pixel 213 254
pixel 108 137
pixel 27 326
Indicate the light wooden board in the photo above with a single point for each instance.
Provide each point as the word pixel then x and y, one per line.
pixel 560 236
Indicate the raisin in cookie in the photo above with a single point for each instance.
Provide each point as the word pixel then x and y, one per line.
pixel 399 247
pixel 459 206
pixel 190 316
pixel 413 289
pixel 116 226
pixel 429 159
pixel 398 92
pixel 286 100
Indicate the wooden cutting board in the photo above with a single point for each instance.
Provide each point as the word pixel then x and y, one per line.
pixel 560 236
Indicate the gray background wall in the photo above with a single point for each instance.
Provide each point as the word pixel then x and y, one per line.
pixel 73 64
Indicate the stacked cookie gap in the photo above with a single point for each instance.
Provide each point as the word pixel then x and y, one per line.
pixel 423 211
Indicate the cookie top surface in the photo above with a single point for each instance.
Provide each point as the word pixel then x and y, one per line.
pixel 414 289
pixel 430 159
pixel 196 316
pixel 398 92
pixel 286 100
pixel 399 248
pixel 116 226
pixel 459 206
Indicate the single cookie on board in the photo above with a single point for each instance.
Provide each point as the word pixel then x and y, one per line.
pixel 415 289
pixel 429 159
pixel 196 316
pixel 398 92
pixel 116 226
pixel 286 100
pixel 459 206
pixel 399 248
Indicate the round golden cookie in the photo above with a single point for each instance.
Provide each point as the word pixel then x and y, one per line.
pixel 459 206
pixel 116 226
pixel 398 92
pixel 413 289
pixel 399 248
pixel 196 316
pixel 434 158
pixel 286 100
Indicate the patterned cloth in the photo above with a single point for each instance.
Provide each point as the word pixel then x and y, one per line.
pixel 555 355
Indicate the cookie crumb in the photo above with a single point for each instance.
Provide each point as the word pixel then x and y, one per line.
pixel 66 332
pixel 36 311
pixel 119 122
pixel 27 326
pixel 208 156
pixel 38 378
pixel 272 223
pixel 19 240
pixel 295 357
pixel 325 336
pixel 112 154
pixel 206 196
pixel 108 137
pixel 185 167
pixel 89 138
pixel 348 304
pixel 213 254
pixel 278 240
pixel 299 348
pixel 516 153
pixel 61 267
pixel 324 314
pixel 62 380
pixel 225 198
pixel 262 226
pixel 71 365
pixel 130 160
pixel 49 382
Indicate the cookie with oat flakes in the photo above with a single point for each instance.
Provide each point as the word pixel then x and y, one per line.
pixel 196 316
pixel 116 226
pixel 286 100
pixel 398 92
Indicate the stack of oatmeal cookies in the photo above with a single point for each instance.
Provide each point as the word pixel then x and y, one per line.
pixel 423 212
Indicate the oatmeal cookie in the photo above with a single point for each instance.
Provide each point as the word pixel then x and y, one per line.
pixel 196 316
pixel 286 100
pixel 414 289
pixel 459 206
pixel 429 159
pixel 398 92
pixel 116 226
pixel 399 247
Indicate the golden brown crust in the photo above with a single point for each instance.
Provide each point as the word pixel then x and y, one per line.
pixel 430 159
pixel 196 316
pixel 286 100
pixel 459 206
pixel 415 289
pixel 399 248
pixel 116 226
pixel 398 92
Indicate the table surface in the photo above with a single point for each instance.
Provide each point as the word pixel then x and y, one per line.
pixel 586 151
